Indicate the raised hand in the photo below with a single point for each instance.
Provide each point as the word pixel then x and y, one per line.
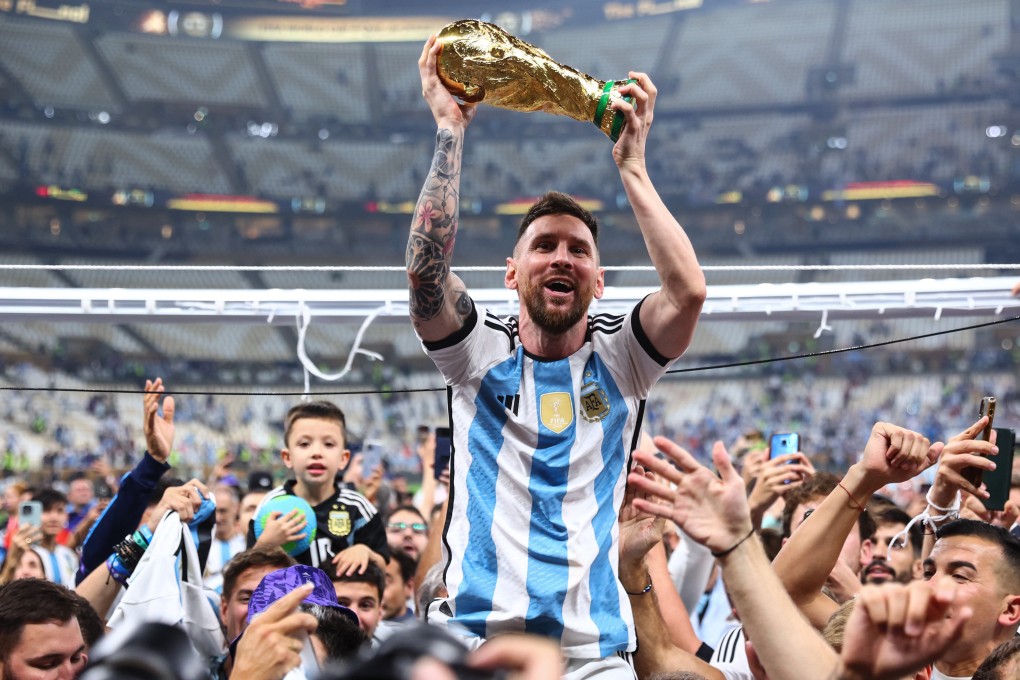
pixel 630 148
pixel 447 111
pixel 963 451
pixel 896 454
pixel 184 500
pixel 159 430
pixel 895 629
pixel 712 510
pixel 639 531
pixel 776 477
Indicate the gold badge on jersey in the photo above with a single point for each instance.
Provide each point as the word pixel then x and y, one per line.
pixel 594 402
pixel 339 522
pixel 556 410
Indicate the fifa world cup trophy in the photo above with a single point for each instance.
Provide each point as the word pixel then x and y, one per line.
pixel 481 62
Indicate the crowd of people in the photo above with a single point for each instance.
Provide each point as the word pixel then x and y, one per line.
pixel 553 540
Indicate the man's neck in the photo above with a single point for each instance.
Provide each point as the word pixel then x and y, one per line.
pixel 552 346
pixel 966 664
pixel 48 542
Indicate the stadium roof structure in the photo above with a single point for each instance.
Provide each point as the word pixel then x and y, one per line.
pixel 978 296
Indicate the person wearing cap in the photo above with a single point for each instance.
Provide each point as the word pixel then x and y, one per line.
pixel 287 607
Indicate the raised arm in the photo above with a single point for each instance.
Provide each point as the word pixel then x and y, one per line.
pixel 663 646
pixel 439 301
pixel 713 511
pixel 125 511
pixel 892 454
pixel 668 316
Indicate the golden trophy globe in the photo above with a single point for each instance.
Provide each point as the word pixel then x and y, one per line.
pixel 480 62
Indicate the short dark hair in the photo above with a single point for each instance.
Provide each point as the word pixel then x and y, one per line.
pixel 407 508
pixel 820 486
pixel 30 601
pixel 254 558
pixel 893 514
pixel 557 203
pixel 372 574
pixel 1009 546
pixel 50 498
pixel 341 637
pixel 321 410
pixel 996 663
pixel 91 624
pixel 408 565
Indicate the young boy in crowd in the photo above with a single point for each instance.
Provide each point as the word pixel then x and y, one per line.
pixel 59 562
pixel 350 532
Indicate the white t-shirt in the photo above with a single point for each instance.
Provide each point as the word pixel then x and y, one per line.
pixel 730 656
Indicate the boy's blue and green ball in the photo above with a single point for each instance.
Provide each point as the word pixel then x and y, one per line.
pixel 285 504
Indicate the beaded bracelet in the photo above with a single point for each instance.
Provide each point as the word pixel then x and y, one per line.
pixel 646 590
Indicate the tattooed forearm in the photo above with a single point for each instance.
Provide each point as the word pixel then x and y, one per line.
pixel 434 230
pixel 427 272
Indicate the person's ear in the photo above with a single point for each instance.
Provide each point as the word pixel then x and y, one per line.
pixel 223 612
pixel 600 284
pixel 917 570
pixel 345 458
pixel 510 278
pixel 867 552
pixel 285 457
pixel 1009 617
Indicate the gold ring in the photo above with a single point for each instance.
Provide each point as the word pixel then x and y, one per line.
pixel 28 540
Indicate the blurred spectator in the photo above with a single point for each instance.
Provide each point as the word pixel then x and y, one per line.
pixel 398 597
pixel 407 531
pixel 40 626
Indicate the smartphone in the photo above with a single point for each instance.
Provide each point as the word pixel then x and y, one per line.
pixel 781 444
pixel 30 513
pixel 444 447
pixel 986 408
pixel 372 457
pixel 998 480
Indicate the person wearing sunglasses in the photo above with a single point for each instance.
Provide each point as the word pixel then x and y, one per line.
pixel 407 530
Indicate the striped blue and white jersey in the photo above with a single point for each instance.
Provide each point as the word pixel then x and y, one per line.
pixel 541 453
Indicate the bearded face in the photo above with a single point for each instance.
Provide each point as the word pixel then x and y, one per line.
pixel 556 303
pixel 555 271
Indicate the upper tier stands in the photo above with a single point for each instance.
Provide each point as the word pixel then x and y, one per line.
pixel 321 80
pixel 52 65
pixel 183 70
pixel 923 46
pixel 746 55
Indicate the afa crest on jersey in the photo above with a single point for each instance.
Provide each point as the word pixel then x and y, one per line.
pixel 339 522
pixel 594 402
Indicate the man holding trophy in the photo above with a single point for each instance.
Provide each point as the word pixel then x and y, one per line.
pixel 546 406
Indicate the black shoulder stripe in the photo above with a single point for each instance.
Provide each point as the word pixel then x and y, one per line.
pixel 642 338
pixel 360 502
pixel 609 318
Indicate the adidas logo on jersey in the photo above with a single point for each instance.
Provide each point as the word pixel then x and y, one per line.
pixel 510 401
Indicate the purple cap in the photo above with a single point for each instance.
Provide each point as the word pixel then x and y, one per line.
pixel 276 584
